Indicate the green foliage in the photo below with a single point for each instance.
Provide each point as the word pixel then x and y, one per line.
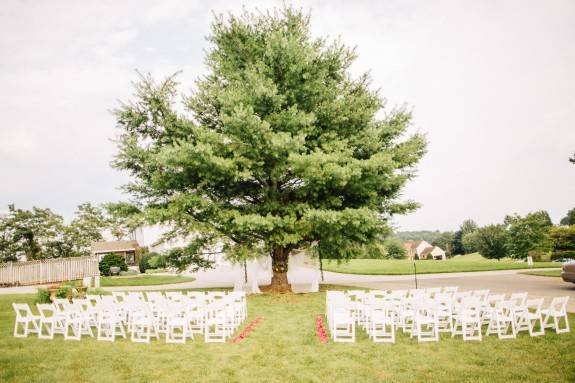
pixel 491 241
pixel 528 233
pixel 563 242
pixel 468 226
pixel 35 234
pixel 85 228
pixel 457 243
pixel 157 261
pixel 394 248
pixel 144 263
pixel 40 233
pixel 184 257
pixel 110 260
pixel 281 147
pixel 122 218
pixel 42 296
pixel 372 250
pixel 569 218
pixel 64 291
pixel 470 242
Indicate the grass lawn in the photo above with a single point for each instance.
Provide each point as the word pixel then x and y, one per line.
pixel 284 348
pixel 470 262
pixel 544 273
pixel 143 280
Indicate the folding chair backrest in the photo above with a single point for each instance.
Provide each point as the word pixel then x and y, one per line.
pixel 483 294
pixel 450 289
pixel 518 298
pixel 495 298
pixel 108 299
pixel 46 310
pixel 559 304
pixel 534 304
pixel 22 310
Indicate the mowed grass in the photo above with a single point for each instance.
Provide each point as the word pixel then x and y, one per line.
pixel 284 348
pixel 143 280
pixel 544 273
pixel 470 262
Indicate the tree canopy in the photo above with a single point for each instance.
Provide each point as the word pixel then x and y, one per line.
pixel 528 233
pixel 279 147
pixel 491 241
pixel 569 218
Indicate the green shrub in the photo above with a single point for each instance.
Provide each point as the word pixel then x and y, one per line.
pixel 145 263
pixel 563 254
pixel 539 256
pixel 111 260
pixel 394 248
pixel 157 262
pixel 64 292
pixel 42 296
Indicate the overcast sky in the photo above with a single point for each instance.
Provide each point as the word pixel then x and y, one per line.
pixel 492 83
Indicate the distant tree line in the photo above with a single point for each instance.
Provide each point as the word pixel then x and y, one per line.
pixel 517 237
pixel 40 233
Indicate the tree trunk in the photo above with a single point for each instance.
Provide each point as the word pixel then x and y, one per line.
pixel 280 258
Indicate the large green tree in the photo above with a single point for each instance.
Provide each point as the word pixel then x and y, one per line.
pixel 31 234
pixel 87 226
pixel 491 241
pixel 529 233
pixel 466 228
pixel 279 147
pixel 563 242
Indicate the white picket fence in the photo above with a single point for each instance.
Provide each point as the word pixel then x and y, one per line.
pixel 48 271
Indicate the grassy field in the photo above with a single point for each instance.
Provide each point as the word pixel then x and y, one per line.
pixel 143 280
pixel 544 273
pixel 471 262
pixel 284 348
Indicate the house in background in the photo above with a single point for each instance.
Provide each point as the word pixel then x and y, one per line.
pixel 423 250
pixel 130 250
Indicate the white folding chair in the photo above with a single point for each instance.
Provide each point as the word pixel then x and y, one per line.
pixel 426 324
pixel 557 310
pixel 215 324
pixel 76 324
pixel 382 322
pixel 502 319
pixel 142 325
pixel 50 321
pixel 109 324
pixel 25 319
pixel 343 324
pixel 527 318
pixel 176 324
pixel 467 319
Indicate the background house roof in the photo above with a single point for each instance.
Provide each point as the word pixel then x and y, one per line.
pixel 111 246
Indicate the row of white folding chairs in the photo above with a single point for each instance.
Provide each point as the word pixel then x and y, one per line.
pixel 178 319
pixel 466 315
pixel 427 312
